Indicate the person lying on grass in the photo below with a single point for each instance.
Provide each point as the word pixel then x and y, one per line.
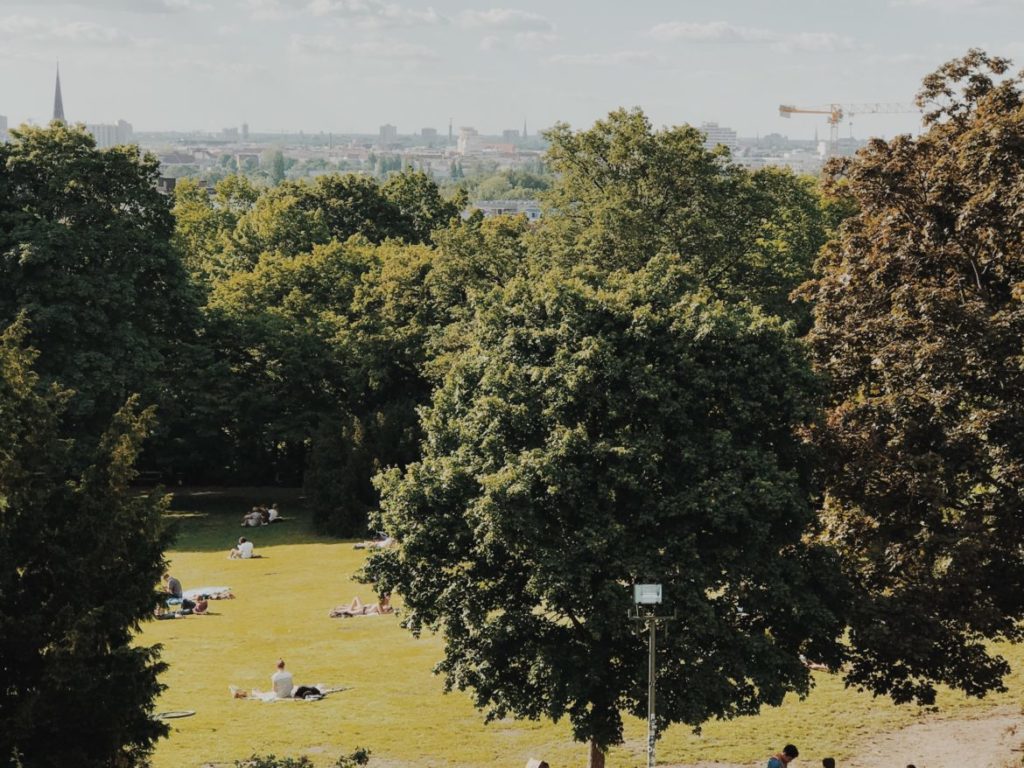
pixel 357 608
pixel 381 541
pixel 188 608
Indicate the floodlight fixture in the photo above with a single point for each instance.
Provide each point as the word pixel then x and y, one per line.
pixel 647 594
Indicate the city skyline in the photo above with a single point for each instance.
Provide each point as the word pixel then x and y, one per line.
pixel 350 66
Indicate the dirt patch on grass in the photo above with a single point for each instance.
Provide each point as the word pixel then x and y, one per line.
pixel 992 740
pixel 989 741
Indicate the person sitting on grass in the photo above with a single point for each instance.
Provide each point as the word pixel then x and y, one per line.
pixel 282 687
pixel 281 681
pixel 172 586
pixel 243 551
pixel 358 608
pixel 254 519
pixel 273 515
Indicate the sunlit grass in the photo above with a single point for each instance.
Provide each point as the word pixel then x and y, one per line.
pixel 395 705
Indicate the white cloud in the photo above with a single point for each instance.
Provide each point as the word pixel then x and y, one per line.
pixel 508 19
pixel 138 6
pixel 815 42
pixel 724 32
pixel 374 13
pixel 520 41
pixel 372 49
pixel 35 30
pixel 612 59
pixel 957 5
pixel 712 31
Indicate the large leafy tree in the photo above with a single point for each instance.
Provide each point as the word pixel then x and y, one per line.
pixel 80 555
pixel 85 254
pixel 918 324
pixel 626 192
pixel 593 434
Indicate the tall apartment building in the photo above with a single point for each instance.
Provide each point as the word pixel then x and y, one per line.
pixel 388 134
pixel 715 134
pixel 3 128
pixel 510 134
pixel 428 134
pixel 110 135
pixel 469 141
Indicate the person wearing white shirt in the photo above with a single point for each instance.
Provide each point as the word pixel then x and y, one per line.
pixel 282 681
pixel 243 551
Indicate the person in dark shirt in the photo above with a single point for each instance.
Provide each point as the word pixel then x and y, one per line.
pixel 172 586
pixel 784 758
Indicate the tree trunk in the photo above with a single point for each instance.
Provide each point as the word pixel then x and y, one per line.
pixel 596 756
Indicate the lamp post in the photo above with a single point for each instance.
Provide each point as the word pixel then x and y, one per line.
pixel 649 595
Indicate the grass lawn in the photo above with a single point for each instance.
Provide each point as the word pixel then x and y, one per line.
pixel 395 705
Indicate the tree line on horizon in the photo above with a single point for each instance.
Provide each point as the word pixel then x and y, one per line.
pixel 796 405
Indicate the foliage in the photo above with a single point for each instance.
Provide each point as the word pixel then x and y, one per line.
pixel 625 193
pixel 84 253
pixel 589 437
pixel 917 325
pixel 81 555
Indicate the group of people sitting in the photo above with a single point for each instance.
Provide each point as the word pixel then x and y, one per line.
pixel 177 605
pixel 260 515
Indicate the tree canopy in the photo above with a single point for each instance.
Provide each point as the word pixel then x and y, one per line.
pixel 591 438
pixel 81 554
pixel 85 255
pixel 918 321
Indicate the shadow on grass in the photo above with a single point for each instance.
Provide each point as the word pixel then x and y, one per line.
pixel 209 519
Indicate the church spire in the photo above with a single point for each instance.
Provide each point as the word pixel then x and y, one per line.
pixel 58 102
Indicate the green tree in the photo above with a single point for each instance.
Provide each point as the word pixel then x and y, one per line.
pixel 625 193
pixel 918 322
pixel 589 437
pixel 85 254
pixel 277 168
pixel 421 208
pixel 81 555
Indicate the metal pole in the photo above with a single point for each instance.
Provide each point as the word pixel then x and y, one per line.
pixel 652 624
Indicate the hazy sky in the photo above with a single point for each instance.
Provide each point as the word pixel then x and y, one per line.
pixel 351 65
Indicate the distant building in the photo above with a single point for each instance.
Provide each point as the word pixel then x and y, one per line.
pixel 3 128
pixel 528 208
pixel 245 131
pixel 715 134
pixel 165 185
pixel 428 134
pixel 388 134
pixel 110 135
pixel 469 141
pixel 510 134
pixel 229 134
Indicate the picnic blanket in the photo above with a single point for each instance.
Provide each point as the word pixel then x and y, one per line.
pixel 213 593
pixel 257 695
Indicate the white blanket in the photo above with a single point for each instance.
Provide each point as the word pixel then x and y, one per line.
pixel 193 594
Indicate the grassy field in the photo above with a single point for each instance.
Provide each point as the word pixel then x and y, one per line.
pixel 394 705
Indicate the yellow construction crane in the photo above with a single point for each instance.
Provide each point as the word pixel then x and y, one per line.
pixel 836 112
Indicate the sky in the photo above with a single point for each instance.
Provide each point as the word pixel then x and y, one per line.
pixel 348 66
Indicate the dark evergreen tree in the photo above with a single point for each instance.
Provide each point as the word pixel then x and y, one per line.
pixel 80 557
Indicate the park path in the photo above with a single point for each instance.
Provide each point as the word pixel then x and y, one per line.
pixel 992 740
